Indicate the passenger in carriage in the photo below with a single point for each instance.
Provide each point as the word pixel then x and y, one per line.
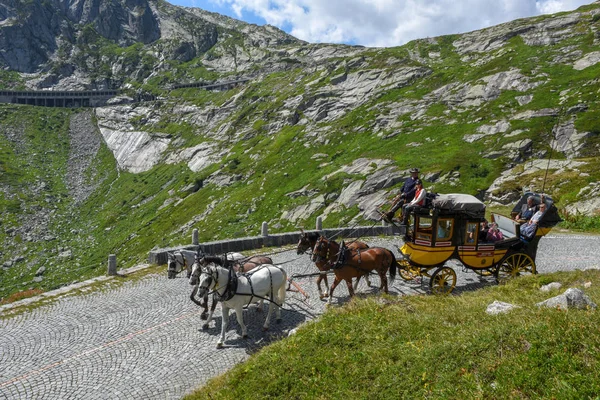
pixel 527 210
pixel 528 229
pixel 494 234
pixel 483 231
pixel 417 201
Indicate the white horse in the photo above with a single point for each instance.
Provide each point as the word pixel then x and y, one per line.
pixel 179 260
pixel 234 292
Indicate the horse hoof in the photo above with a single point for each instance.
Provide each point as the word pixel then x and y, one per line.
pixel 219 345
pixel 278 320
pixel 265 328
pixel 205 326
pixel 244 336
pixel 204 316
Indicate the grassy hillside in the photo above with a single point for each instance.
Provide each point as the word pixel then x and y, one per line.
pixel 432 347
pixel 273 139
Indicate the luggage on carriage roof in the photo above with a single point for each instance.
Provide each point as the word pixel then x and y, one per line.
pixel 460 203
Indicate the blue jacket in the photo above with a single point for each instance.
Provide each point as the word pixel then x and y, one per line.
pixel 408 188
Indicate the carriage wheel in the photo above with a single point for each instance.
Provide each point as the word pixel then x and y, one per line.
pixel 514 265
pixel 443 281
pixel 406 271
pixel 406 274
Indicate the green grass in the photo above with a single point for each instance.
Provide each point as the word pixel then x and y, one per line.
pixel 432 347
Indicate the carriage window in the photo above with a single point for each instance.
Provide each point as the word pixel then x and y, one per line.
pixel 472 231
pixel 444 231
pixel 424 228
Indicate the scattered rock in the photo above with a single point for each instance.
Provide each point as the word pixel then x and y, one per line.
pixel 499 307
pixel 571 298
pixel 551 286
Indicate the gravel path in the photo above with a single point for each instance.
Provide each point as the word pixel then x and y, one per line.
pixel 142 339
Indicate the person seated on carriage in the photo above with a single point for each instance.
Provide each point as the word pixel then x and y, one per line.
pixel 494 234
pixel 528 229
pixel 417 201
pixel 407 194
pixel 527 210
pixel 483 231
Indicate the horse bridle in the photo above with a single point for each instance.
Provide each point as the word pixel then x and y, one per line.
pixel 316 255
pixel 307 244
pixel 209 272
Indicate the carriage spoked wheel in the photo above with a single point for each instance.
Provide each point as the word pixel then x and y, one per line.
pixel 442 281
pixel 515 265
pixel 406 271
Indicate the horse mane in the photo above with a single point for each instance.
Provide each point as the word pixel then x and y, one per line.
pixel 313 236
pixel 214 259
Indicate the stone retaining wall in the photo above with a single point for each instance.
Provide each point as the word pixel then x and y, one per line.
pixel 159 256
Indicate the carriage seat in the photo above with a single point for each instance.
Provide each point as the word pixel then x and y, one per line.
pixel 507 226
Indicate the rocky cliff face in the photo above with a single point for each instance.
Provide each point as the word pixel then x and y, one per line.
pixel 64 42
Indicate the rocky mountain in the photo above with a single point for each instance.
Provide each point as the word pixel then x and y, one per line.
pixel 89 44
pixel 316 130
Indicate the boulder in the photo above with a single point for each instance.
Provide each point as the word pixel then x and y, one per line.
pixel 571 298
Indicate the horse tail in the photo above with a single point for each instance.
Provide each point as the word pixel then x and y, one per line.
pixel 393 267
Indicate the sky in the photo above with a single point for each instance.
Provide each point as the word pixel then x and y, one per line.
pixel 379 23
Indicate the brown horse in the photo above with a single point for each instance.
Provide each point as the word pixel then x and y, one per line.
pixel 307 241
pixel 352 263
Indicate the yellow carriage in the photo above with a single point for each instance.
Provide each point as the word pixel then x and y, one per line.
pixel 450 229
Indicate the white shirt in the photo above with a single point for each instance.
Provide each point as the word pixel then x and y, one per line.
pixel 419 196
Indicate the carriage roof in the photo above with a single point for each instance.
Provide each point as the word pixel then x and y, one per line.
pixel 459 203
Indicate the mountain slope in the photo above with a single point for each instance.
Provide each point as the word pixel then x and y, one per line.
pixel 319 130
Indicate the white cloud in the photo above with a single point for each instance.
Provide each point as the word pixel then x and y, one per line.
pixel 385 23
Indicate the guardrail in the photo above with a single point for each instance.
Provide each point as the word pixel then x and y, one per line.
pixel 159 256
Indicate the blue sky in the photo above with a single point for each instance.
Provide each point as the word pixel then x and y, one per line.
pixel 379 23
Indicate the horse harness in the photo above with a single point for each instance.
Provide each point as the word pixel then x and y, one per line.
pixel 172 272
pixel 232 285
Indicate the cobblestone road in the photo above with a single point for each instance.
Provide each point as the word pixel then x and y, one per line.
pixel 142 340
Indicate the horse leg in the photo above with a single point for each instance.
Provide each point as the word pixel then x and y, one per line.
pixel 384 281
pixel 204 314
pixel 350 289
pixel 322 277
pixel 212 311
pixel 280 301
pixel 224 323
pixel 271 307
pixel 240 319
pixel 260 305
pixel 336 282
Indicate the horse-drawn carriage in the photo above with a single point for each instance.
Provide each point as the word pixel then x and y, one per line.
pixel 451 229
